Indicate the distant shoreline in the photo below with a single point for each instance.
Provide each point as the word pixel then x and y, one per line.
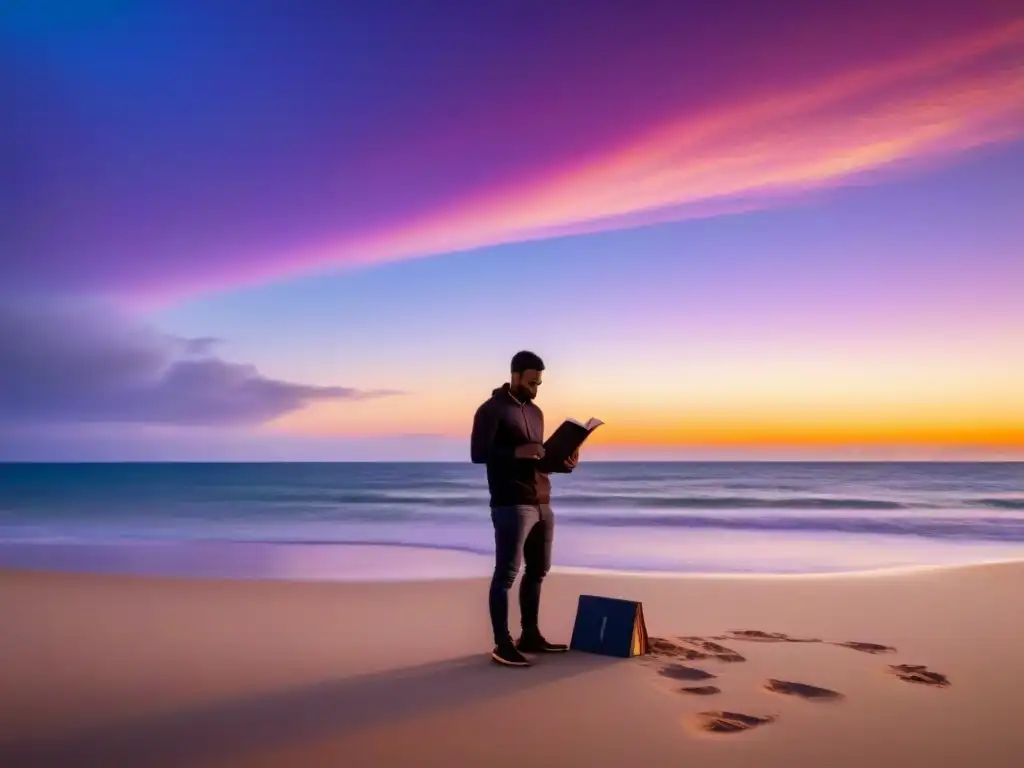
pixel 374 562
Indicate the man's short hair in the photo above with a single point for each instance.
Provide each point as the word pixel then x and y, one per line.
pixel 526 361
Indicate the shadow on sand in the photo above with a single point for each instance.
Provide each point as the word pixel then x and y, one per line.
pixel 269 720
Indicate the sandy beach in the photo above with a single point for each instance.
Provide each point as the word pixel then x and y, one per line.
pixel 132 671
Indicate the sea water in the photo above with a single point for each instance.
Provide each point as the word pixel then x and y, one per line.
pixel 421 520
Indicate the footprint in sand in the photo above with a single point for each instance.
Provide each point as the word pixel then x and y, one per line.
pixel 802 690
pixel 701 690
pixel 759 636
pixel 659 646
pixel 692 649
pixel 919 673
pixel 729 722
pixel 866 647
pixel 681 672
pixel 712 650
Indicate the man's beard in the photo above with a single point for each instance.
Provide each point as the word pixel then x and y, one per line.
pixel 523 395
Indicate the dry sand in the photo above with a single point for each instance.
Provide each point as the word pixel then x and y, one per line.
pixel 121 671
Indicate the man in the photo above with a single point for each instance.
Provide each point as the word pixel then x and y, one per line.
pixel 508 432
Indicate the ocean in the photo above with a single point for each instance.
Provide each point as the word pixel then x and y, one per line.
pixel 420 520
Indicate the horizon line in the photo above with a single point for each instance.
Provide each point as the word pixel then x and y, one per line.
pixel 465 462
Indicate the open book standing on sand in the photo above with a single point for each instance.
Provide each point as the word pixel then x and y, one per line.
pixel 568 437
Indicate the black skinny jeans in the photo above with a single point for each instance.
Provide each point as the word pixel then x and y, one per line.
pixel 520 533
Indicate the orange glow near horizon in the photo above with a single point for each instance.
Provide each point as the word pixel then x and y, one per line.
pixel 959 395
pixel 768 435
pixel 835 434
pixel 995 428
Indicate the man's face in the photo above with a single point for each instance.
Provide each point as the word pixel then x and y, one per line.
pixel 527 383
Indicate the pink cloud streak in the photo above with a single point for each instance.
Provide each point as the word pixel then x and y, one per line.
pixel 918 110
pixel 924 107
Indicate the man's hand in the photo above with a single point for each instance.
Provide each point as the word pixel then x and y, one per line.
pixel 573 460
pixel 530 451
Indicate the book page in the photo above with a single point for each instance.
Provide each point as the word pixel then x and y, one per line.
pixel 591 424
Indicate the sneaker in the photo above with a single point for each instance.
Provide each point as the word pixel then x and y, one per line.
pixel 534 642
pixel 506 653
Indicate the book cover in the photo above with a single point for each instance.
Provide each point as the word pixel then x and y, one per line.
pixel 569 436
pixel 610 626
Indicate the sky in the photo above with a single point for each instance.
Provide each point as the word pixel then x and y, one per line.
pixel 273 231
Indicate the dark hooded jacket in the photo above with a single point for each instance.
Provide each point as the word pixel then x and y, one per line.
pixel 500 425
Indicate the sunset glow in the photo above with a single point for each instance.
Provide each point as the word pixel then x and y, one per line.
pixel 738 228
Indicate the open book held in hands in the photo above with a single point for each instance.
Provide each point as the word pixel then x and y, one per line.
pixel 567 438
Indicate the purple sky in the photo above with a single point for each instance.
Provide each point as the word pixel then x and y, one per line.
pixel 761 202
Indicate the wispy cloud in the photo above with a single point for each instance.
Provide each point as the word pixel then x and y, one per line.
pixel 79 365
pixel 922 108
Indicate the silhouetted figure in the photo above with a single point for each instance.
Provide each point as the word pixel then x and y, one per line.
pixel 508 432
